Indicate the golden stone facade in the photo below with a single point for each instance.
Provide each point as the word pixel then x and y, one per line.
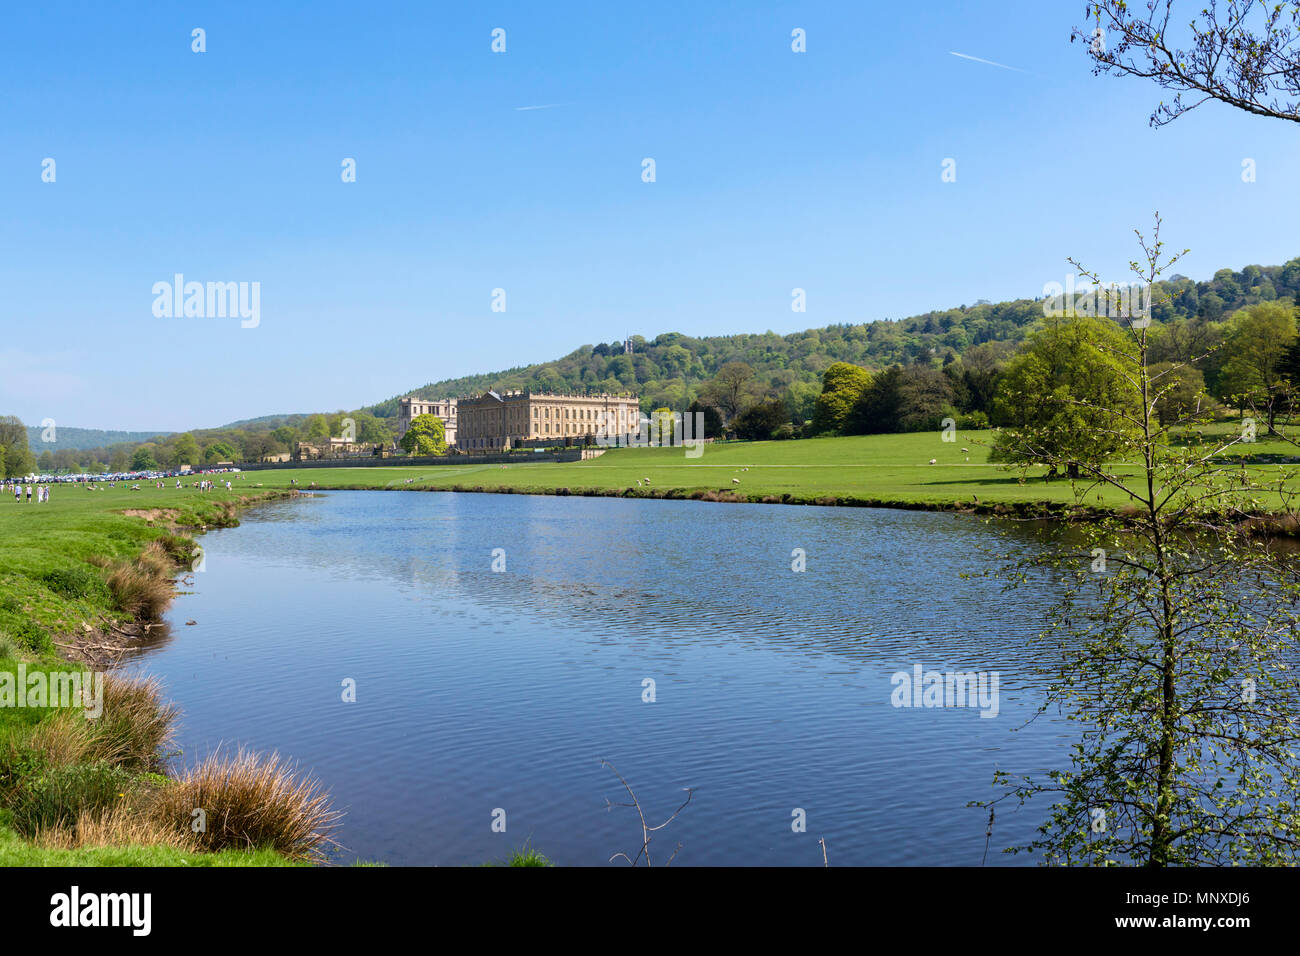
pixel 495 421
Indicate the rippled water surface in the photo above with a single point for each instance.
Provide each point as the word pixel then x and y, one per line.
pixel 479 690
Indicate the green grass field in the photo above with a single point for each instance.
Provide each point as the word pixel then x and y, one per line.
pixel 883 469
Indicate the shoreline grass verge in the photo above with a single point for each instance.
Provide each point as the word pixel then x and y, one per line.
pixel 85 578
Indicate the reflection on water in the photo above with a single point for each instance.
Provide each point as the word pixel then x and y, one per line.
pixel 479 690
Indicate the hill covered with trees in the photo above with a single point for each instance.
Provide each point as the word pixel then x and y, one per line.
pixel 671 369
pixel 910 374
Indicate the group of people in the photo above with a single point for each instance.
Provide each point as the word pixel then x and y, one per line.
pixel 207 484
pixel 20 488
pixel 17 487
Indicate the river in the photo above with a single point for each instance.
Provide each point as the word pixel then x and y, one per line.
pixel 672 638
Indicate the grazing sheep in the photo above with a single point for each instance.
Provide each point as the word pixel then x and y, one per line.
pixel 735 481
pixel 934 461
pixel 965 451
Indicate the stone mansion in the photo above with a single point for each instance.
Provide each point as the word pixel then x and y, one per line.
pixel 496 421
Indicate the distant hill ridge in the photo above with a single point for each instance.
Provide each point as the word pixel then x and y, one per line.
pixel 664 371
pixel 668 370
pixel 82 439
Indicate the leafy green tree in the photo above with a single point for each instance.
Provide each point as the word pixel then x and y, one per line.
pixel 1182 395
pixel 1288 365
pixel 1184 340
pixel 372 430
pixel 1172 648
pixel 661 426
pixel 19 461
pixel 801 401
pixel 760 422
pixel 317 427
pixel 1063 396
pixel 164 454
pixel 842 385
pixel 731 389
pixel 219 451
pixel 185 450
pixel 12 431
pixel 974 377
pixel 426 436
pixel 46 462
pixel 143 459
pixel 902 399
pixel 1257 340
pixel 712 420
pixel 258 447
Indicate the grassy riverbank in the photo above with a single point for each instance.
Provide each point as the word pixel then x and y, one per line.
pixel 85 577
pixel 89 574
pixel 884 470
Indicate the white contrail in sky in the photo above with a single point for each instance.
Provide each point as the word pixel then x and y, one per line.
pixel 545 106
pixel 977 59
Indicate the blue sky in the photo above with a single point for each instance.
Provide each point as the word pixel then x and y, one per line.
pixel 774 170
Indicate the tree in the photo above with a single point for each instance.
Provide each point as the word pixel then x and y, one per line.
pixel 1172 645
pixel 46 462
pixel 1063 396
pixel 12 431
pixel 731 389
pixel 1184 339
pixel 372 430
pixel 759 422
pixel 185 450
pixel 1182 395
pixel 1245 53
pixel 712 420
pixel 902 399
pixel 164 454
pixel 801 401
pixel 258 447
pixel 975 377
pixel 143 459
pixel 19 461
pixel 219 451
pixel 842 385
pixel 426 436
pixel 1257 341
pixel 317 427
pixel 1288 365
pixel 661 426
